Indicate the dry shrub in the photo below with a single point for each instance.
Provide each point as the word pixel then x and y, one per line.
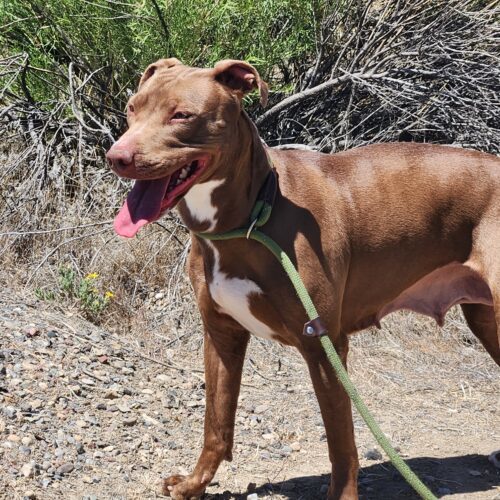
pixel 424 70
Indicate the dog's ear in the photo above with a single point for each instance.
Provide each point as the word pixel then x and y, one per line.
pixel 241 77
pixel 161 63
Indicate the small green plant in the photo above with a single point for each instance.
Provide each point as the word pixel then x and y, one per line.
pixel 86 292
pixel 92 300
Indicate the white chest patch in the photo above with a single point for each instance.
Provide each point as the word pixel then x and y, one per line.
pixel 232 296
pixel 199 202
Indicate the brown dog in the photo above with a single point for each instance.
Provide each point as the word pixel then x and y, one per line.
pixel 372 230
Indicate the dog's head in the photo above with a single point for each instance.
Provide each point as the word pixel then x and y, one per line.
pixel 180 121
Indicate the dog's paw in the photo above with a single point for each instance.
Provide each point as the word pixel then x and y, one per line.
pixel 181 488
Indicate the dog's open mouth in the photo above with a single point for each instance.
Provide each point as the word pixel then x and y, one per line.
pixel 149 199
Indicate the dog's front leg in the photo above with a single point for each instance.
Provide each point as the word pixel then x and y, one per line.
pixel 224 356
pixel 335 408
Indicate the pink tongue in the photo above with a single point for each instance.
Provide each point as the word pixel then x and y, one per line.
pixel 143 205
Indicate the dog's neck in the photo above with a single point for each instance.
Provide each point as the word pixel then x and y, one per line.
pixel 225 201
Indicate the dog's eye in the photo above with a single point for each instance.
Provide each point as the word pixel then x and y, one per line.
pixel 181 115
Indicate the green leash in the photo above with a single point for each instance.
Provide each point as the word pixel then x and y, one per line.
pixel 259 216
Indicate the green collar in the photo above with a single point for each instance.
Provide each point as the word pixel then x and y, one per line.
pixel 260 213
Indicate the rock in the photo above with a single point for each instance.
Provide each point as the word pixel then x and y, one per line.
pixel 36 404
pixel 261 409
pixel 28 470
pixel 129 422
pixel 52 334
pixel 29 495
pixel 111 394
pixel 65 469
pixel 162 378
pixel 81 423
pixel 10 412
pixel 295 446
pixel 373 454
pixel 253 496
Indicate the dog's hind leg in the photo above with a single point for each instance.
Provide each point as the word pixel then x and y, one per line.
pixel 484 320
pixel 481 320
pixel 335 408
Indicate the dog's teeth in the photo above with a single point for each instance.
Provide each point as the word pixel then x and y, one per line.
pixel 184 173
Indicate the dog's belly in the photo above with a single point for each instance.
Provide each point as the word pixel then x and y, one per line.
pixel 232 295
pixel 437 292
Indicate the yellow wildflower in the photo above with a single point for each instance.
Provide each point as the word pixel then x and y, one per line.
pixel 109 294
pixel 92 276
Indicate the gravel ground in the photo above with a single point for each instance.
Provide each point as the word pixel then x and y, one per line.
pixel 87 414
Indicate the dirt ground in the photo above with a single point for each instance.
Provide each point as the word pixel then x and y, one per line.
pixel 87 414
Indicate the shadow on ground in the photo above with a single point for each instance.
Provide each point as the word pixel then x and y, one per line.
pixel 454 475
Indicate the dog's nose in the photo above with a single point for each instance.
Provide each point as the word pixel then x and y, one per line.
pixel 119 158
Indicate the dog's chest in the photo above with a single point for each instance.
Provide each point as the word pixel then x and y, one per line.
pixel 233 296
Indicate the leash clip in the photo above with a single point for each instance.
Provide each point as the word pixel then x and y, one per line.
pixel 314 328
pixel 250 229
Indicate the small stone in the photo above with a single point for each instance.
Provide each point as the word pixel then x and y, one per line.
pixel 103 359
pixel 261 409
pixel 79 448
pixel 253 496
pixel 82 424
pixel 36 404
pixel 28 470
pixel 373 454
pixel 32 332
pixel 75 388
pixel 52 334
pixel 13 438
pixel 29 495
pixel 124 408
pixel 10 412
pixel 295 446
pixel 129 422
pixel 101 406
pixel 95 337
pixel 65 469
pixel 159 295
pixel 46 482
